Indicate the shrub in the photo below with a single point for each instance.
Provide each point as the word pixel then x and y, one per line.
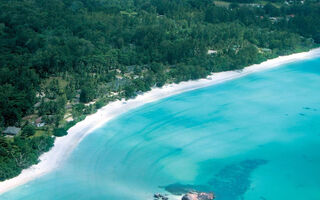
pixel 59 132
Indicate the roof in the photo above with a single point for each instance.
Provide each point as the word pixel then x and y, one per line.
pixel 40 124
pixel 12 130
pixel 38 120
pixel 211 51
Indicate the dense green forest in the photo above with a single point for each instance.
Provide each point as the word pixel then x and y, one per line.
pixel 63 59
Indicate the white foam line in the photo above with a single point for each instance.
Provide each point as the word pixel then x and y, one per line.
pixel 63 146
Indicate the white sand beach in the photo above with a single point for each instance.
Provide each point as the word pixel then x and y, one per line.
pixel 63 146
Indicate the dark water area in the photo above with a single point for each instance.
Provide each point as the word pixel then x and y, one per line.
pixel 230 183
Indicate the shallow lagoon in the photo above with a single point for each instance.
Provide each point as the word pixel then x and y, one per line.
pixel 256 137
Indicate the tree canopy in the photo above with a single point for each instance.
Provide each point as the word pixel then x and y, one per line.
pixel 58 57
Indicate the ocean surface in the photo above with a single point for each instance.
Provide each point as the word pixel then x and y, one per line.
pixel 252 138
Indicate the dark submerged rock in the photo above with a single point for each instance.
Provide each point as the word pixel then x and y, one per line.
pixel 181 189
pixel 233 181
pixel 230 183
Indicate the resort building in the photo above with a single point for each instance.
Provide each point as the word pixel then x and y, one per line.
pixel 11 130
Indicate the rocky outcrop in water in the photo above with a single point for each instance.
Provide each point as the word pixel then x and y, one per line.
pixel 198 196
pixel 181 189
pixel 160 197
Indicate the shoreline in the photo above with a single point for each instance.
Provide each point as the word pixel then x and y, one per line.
pixel 63 146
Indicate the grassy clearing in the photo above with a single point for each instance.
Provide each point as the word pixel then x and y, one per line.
pixel 62 83
pixel 222 4
pixel 40 132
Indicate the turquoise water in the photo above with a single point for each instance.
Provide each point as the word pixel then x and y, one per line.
pixel 253 138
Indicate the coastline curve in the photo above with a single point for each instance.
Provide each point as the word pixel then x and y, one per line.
pixel 63 146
